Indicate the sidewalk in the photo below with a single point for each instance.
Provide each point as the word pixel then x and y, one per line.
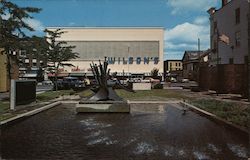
pixel 178 87
pixel 4 96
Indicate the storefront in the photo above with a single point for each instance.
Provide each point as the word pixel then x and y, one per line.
pixel 128 50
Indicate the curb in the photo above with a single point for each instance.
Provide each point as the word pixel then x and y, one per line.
pixel 30 113
pixel 153 102
pixel 213 117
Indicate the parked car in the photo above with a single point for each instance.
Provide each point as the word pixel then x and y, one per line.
pixel 59 83
pixel 70 83
pixel 184 80
pixel 172 79
pixel 47 82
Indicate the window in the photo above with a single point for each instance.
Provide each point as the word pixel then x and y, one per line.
pixel 231 61
pixel 176 64
pixel 179 64
pixel 237 39
pixel 237 16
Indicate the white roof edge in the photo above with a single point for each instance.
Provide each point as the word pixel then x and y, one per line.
pixel 68 27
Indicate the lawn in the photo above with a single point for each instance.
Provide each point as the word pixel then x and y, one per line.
pixel 234 112
pixel 4 106
pixel 46 96
pixel 152 95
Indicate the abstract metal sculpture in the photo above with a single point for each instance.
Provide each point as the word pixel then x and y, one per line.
pixel 104 90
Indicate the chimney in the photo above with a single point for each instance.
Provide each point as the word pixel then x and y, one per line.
pixel 224 2
pixel 211 11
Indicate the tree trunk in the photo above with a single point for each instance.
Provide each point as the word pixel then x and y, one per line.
pixel 56 73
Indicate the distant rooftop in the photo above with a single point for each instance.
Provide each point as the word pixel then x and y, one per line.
pixel 114 27
pixel 192 55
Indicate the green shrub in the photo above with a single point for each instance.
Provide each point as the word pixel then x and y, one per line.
pixel 158 86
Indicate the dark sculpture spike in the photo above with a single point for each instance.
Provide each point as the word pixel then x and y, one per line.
pixel 104 90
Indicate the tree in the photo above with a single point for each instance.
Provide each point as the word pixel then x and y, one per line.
pixel 154 73
pixel 12 29
pixel 58 53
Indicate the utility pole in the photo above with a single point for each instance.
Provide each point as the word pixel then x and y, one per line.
pixel 248 62
pixel 217 61
pixel 199 59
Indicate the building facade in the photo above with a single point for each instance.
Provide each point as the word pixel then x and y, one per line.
pixel 128 50
pixel 229 33
pixel 4 75
pixel 192 60
pixel 172 65
pixel 30 67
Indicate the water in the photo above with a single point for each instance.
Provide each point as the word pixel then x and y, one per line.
pixel 149 132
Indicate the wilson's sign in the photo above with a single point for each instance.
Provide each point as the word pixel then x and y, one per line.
pixel 131 60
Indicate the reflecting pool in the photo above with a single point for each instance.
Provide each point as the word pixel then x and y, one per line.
pixel 151 131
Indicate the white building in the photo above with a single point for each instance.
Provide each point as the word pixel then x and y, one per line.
pixel 129 50
pixel 231 21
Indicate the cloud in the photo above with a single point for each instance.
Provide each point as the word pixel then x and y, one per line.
pixel 35 24
pixel 187 32
pixel 201 20
pixel 181 6
pixel 185 37
pixel 72 23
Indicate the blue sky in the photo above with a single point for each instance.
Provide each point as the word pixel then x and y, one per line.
pixel 184 20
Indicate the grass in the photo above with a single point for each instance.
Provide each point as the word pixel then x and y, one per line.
pixel 4 106
pixel 46 96
pixel 154 94
pixel 85 93
pixel 231 111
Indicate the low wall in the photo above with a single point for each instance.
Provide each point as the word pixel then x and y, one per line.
pixel 142 86
pixel 226 78
pixel 22 92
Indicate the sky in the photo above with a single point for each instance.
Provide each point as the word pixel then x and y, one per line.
pixel 184 20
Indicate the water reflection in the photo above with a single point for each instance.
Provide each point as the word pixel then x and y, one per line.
pixel 151 131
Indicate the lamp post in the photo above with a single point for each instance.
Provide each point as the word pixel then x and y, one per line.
pixel 128 62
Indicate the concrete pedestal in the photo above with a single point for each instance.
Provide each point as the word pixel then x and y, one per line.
pixel 103 107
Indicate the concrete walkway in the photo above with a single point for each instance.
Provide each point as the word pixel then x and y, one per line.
pixel 4 96
pixel 153 102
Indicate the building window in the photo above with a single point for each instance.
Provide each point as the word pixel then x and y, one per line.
pixel 179 64
pixel 237 39
pixel 176 64
pixel 231 61
pixel 237 16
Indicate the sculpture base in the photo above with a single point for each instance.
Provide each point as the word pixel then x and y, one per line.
pixel 103 107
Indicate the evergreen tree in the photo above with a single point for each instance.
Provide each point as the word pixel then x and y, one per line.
pixel 12 29
pixel 58 52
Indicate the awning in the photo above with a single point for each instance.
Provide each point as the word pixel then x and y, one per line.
pixel 77 74
pixel 29 75
pixel 59 75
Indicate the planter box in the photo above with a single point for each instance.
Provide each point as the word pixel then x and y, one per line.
pixel 141 86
